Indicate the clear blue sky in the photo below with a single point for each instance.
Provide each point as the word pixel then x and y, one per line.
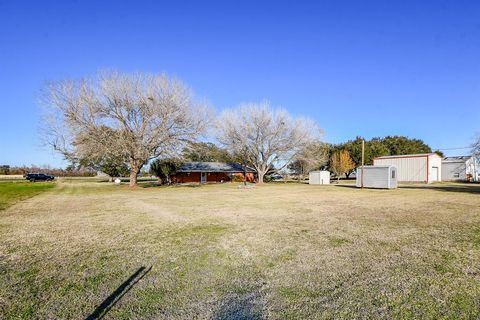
pixel 370 68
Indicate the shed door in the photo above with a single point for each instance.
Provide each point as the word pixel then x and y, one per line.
pixel 434 174
pixel 203 177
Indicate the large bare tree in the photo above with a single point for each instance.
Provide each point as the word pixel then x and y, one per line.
pixel 267 137
pixel 133 117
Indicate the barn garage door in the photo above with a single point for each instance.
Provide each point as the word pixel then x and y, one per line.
pixel 434 174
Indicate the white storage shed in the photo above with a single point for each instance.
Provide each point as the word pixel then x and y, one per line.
pixel 382 177
pixel 425 167
pixel 319 177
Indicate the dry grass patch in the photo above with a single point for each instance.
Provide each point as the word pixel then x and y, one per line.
pixel 276 251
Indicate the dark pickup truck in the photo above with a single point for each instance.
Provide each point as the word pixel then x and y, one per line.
pixel 32 177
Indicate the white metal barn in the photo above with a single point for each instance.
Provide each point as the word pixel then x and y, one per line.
pixel 319 177
pixel 382 177
pixel 425 167
pixel 462 168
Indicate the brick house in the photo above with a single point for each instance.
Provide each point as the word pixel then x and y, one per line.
pixel 211 172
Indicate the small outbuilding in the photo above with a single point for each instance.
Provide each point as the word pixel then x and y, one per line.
pixel 381 177
pixel 425 167
pixel 319 177
pixel 461 168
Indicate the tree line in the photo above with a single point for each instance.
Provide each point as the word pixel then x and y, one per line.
pixel 119 123
pixel 57 172
pixel 344 158
pixel 381 146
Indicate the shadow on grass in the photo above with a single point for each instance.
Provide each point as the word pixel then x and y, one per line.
pixel 352 186
pixel 112 299
pixel 151 184
pixel 464 188
pixel 156 184
pixel 240 307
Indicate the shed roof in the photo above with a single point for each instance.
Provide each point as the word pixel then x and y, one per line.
pixel 212 167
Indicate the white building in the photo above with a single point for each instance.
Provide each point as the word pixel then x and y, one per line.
pixel 319 177
pixel 462 168
pixel 425 167
pixel 384 177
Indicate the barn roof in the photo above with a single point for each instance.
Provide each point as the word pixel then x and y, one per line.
pixel 374 167
pixel 456 159
pixel 408 155
pixel 212 167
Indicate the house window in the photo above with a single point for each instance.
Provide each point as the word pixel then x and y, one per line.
pixel 456 175
pixel 393 174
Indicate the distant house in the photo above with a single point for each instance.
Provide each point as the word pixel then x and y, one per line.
pixel 424 167
pixel 206 172
pixel 460 168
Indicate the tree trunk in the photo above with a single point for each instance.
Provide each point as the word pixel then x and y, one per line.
pixel 261 174
pixel 133 177
pixel 135 166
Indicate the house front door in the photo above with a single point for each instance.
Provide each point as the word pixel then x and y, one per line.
pixel 203 177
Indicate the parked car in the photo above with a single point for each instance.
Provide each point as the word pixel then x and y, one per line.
pixel 32 177
pixel 274 177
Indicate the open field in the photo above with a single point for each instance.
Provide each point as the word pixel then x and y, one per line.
pixel 10 177
pixel 277 251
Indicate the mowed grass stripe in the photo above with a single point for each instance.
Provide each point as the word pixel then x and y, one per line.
pixel 13 192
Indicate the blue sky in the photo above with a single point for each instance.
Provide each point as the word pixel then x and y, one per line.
pixel 370 68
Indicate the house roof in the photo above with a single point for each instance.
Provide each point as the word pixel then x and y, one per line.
pixel 408 155
pixel 212 167
pixel 456 159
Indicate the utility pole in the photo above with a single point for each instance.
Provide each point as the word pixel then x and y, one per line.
pixel 363 159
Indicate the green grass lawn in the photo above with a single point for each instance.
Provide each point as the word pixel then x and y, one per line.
pixel 279 251
pixel 12 192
